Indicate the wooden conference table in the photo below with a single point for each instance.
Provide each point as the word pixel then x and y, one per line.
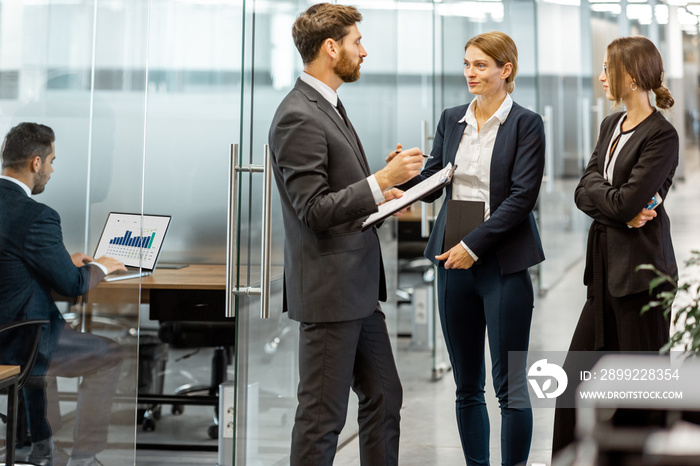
pixel 193 293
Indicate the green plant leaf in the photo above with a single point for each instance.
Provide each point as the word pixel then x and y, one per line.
pixel 686 295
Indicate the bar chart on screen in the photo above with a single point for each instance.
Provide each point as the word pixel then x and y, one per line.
pixel 139 242
pixel 132 238
pixel 129 246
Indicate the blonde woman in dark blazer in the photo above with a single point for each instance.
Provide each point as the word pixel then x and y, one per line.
pixel 499 149
pixel 634 160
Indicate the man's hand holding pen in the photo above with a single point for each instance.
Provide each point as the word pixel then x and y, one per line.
pixel 402 165
pixel 398 150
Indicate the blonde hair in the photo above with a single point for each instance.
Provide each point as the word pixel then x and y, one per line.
pixel 501 48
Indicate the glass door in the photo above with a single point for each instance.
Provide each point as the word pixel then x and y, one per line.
pixel 192 119
pixel 266 342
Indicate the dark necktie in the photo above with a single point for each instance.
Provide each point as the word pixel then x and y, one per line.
pixel 344 115
pixel 341 110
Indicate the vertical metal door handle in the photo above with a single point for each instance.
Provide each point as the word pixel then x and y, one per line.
pixel 232 288
pixel 549 148
pixel 424 223
pixel 232 234
pixel 265 253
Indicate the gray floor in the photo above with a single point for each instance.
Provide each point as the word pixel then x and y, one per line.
pixel 429 434
pixel 429 431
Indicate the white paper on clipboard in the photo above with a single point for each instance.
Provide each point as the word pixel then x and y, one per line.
pixel 419 191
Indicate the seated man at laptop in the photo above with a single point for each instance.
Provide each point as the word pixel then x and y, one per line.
pixel 33 261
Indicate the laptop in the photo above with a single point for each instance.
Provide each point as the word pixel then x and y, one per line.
pixel 134 239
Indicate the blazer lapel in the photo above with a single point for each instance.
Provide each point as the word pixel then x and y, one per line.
pixel 497 155
pixel 605 144
pixel 359 150
pixel 630 151
pixel 347 130
pixel 453 141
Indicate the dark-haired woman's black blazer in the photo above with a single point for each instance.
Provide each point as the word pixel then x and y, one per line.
pixel 645 166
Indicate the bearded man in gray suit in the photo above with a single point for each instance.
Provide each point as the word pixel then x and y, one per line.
pixel 334 277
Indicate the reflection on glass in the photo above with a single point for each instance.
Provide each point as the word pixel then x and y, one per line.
pixel 192 116
pixel 57 73
pixel 35 267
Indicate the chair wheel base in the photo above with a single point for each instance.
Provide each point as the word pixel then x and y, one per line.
pixel 148 425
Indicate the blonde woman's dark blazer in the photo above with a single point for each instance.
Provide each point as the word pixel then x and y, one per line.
pixel 517 166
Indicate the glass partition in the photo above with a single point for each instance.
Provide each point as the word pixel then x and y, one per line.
pixel 267 346
pixel 55 70
pixel 192 105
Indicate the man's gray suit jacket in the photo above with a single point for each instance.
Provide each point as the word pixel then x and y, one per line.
pixel 333 270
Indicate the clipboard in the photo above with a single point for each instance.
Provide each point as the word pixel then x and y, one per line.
pixel 462 218
pixel 416 193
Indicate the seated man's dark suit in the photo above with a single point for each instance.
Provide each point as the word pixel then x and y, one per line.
pixel 33 261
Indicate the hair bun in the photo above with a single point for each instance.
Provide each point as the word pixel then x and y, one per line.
pixel 663 97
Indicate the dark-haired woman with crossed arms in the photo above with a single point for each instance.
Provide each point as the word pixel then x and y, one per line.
pixel 634 161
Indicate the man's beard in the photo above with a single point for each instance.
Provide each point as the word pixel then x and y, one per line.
pixel 40 180
pixel 346 69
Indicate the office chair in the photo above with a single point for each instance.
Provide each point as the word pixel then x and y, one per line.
pixel 26 367
pixel 182 335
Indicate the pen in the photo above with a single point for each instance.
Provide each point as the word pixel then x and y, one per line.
pixel 425 156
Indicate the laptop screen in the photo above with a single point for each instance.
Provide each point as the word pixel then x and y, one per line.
pixel 134 239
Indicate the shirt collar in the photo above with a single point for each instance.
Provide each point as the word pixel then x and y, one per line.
pixel 329 94
pixel 18 182
pixel 501 114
